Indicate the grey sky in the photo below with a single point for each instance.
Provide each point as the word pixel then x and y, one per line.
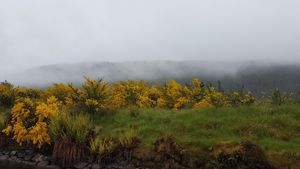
pixel 39 32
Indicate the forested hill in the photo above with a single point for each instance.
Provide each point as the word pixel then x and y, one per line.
pixel 255 76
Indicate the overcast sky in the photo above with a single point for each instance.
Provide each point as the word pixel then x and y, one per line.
pixel 40 32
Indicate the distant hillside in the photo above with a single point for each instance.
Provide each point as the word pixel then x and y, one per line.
pixel 254 76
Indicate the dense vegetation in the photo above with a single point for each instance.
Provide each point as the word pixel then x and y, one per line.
pixel 108 120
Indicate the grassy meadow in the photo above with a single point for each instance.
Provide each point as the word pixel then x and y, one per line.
pixel 275 128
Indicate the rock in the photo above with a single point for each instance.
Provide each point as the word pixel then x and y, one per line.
pixel 52 167
pixel 38 158
pixel 12 158
pixel 43 163
pixel 95 166
pixel 12 153
pixel 29 152
pixel 113 166
pixel 27 157
pixel 28 163
pixel 18 160
pixel 4 157
pixel 20 155
pixel 80 165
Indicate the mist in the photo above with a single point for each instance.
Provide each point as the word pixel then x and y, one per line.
pixel 221 35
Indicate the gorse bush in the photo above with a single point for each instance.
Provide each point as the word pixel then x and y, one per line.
pixel 131 94
pixel 32 93
pixel 241 98
pixel 60 91
pixel 75 128
pixel 97 96
pixel 29 123
pixel 93 96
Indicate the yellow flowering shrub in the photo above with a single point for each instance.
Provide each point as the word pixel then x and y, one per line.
pixel 118 93
pixel 174 95
pixel 24 92
pixel 181 102
pixel 29 123
pixel 197 91
pixel 238 98
pixel 48 109
pixel 39 134
pixel 150 97
pixel 95 95
pixel 60 91
pixel 92 96
pixel 216 98
pixel 144 101
pixel 202 104
pixel 249 99
pixel 131 94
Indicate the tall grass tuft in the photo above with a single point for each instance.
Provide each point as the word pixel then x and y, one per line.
pixel 68 127
pixel 3 137
pixel 71 133
pixel 2 121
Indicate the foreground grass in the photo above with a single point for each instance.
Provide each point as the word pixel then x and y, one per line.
pixel 3 114
pixel 273 128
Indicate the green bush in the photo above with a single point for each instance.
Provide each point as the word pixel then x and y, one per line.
pixel 279 98
pixel 103 145
pixel 75 128
pixel 2 121
pixel 128 137
pixel 7 94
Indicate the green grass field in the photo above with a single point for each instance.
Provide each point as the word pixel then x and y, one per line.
pixel 273 128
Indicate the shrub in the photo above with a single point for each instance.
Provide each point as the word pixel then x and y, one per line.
pixel 29 121
pixel 3 138
pixel 216 98
pixel 132 94
pixel 103 146
pixel 174 95
pixel 32 93
pixel 238 98
pixel 128 138
pixel 2 121
pixel 106 149
pixel 279 98
pixel 93 96
pixel 60 91
pixel 71 133
pixel 75 128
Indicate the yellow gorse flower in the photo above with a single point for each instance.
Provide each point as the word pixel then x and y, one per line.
pixel 29 123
